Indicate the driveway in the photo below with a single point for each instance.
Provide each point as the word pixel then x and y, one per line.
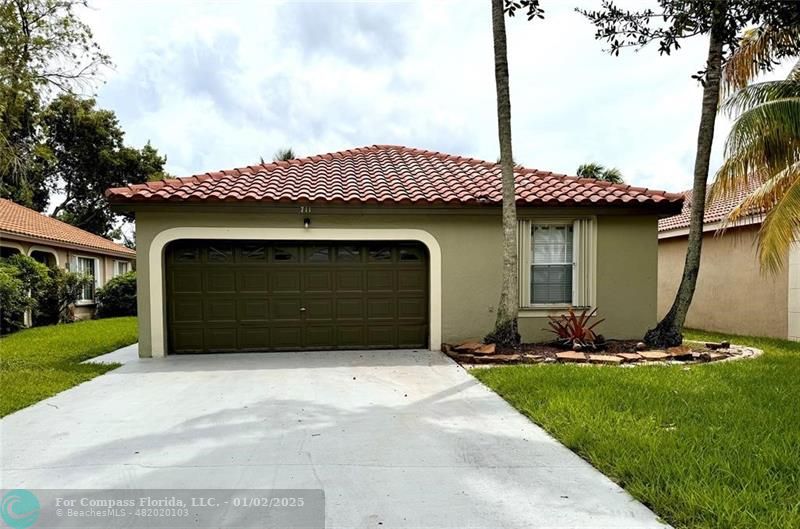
pixel 396 439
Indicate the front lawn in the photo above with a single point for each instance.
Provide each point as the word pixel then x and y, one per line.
pixel 704 446
pixel 38 363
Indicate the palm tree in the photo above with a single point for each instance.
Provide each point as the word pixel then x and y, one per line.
pixel 283 154
pixel 600 172
pixel 506 331
pixel 763 147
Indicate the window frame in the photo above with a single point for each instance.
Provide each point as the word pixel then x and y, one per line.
pixel 584 264
pixel 96 276
pixel 115 271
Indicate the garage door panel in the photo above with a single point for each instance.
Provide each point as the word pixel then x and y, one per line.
pixel 412 280
pixel 411 336
pixel 319 309
pixel 252 281
pixel 318 281
pixel 349 280
pixel 349 309
pixel 320 337
pixel 285 281
pixel 220 339
pixel 253 338
pixel 220 281
pixel 351 336
pixel 220 310
pixel 412 308
pixel 187 339
pixel 287 337
pixel 253 310
pixel 380 308
pixel 187 309
pixel 286 309
pixel 187 281
pixel 267 296
pixel 380 280
pixel 381 336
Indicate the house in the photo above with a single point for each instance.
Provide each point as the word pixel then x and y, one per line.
pixel 733 295
pixel 381 247
pixel 56 243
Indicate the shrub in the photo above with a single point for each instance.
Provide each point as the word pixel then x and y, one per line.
pixel 63 289
pixel 118 297
pixel 22 283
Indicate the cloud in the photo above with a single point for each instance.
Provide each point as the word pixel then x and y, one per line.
pixel 217 85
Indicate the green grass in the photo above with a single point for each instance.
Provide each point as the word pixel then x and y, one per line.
pixel 708 446
pixel 38 363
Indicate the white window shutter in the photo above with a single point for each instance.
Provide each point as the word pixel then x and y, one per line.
pixel 524 261
pixel 584 253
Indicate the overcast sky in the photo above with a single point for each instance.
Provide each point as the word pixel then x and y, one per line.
pixel 216 85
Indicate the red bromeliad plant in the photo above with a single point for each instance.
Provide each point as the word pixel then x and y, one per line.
pixel 574 330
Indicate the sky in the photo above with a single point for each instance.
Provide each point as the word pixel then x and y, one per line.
pixel 217 85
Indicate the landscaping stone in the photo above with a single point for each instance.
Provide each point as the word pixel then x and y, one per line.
pixel 654 355
pixel 630 357
pixel 680 353
pixel 496 359
pixel 571 356
pixel 487 349
pixel 468 347
pixel 605 359
pixel 641 346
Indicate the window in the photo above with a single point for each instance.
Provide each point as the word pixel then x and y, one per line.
pixel 121 267
pixel 557 263
pixel 551 264
pixel 86 265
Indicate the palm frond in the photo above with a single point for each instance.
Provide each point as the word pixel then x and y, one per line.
pixel 758 94
pixel 759 50
pixel 779 118
pixel 764 198
pixel 781 226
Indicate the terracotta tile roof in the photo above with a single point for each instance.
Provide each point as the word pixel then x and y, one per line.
pixel 19 220
pixel 392 175
pixel 715 211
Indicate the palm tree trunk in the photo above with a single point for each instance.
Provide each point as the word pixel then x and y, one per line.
pixel 506 331
pixel 668 332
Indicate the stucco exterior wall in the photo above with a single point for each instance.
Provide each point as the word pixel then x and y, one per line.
pixel 732 294
pixel 471 261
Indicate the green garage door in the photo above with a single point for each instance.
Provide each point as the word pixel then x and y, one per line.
pixel 226 296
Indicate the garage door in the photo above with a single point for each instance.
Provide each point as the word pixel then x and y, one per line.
pixel 227 296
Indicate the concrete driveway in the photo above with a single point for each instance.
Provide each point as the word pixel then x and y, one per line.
pixel 399 439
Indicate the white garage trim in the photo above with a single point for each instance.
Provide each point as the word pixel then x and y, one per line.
pixel 160 241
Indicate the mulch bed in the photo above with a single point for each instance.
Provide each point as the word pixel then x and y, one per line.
pixel 612 352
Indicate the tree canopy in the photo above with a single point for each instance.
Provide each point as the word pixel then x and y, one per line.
pixel 600 172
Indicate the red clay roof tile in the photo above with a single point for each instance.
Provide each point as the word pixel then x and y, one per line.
pixel 389 174
pixel 19 220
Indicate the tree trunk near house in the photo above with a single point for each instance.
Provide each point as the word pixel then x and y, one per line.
pixel 668 332
pixel 506 331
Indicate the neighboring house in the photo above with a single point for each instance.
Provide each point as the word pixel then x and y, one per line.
pixel 381 247
pixel 57 243
pixel 733 295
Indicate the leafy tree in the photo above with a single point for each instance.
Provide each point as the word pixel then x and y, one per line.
pixel 44 49
pixel 600 172
pixel 89 156
pixel 23 281
pixel 675 20
pixel 61 292
pixel 763 148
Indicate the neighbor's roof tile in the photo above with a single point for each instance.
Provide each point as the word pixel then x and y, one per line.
pixel 392 175
pixel 19 220
pixel 716 211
